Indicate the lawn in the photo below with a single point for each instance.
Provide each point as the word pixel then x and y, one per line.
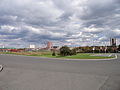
pixel 79 56
pixel 48 54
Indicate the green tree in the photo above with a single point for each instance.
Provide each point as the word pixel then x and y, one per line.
pixel 73 51
pixel 65 51
pixel 53 54
pixel 119 48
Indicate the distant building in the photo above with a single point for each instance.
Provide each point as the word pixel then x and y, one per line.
pixel 32 46
pixel 55 47
pixel 49 45
pixel 112 41
pixel 11 50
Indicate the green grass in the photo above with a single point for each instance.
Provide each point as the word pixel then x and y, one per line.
pixel 48 54
pixel 79 56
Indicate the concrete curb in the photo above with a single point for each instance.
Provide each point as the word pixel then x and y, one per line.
pixel 116 56
pixel 80 59
pixel 1 68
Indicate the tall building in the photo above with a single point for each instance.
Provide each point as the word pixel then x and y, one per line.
pixel 49 45
pixel 112 41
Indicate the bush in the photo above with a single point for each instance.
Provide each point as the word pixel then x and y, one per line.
pixel 65 51
pixel 53 54
pixel 119 48
pixel 73 52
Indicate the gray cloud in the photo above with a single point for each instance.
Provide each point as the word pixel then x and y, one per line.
pixel 59 21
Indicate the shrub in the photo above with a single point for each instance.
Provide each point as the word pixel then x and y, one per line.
pixel 53 54
pixel 65 51
pixel 73 52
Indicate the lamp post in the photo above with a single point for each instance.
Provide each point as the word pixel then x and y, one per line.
pixel 101 49
pixel 105 49
pixel 93 49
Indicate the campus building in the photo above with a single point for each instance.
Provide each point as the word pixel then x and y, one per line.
pixel 49 45
pixel 32 46
pixel 112 41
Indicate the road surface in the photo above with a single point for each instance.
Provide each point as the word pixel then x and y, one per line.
pixel 35 73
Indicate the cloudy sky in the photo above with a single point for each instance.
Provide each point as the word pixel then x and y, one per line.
pixel 64 22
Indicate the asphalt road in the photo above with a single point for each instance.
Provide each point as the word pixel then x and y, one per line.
pixel 34 73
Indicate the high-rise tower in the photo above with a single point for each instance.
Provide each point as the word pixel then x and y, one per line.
pixel 112 41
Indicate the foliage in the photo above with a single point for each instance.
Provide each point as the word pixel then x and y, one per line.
pixel 53 54
pixel 73 52
pixel 65 51
pixel 119 48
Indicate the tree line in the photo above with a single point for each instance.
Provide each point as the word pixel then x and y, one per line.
pixel 66 51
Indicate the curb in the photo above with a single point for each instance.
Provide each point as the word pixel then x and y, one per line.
pixel 116 56
pixel 1 68
pixel 82 59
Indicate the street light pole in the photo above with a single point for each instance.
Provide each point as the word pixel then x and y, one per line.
pixel 93 49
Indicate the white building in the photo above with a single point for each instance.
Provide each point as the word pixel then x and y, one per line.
pixel 32 46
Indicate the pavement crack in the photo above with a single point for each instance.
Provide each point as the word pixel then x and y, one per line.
pixel 111 83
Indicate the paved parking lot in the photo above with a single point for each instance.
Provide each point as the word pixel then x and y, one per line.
pixel 35 73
